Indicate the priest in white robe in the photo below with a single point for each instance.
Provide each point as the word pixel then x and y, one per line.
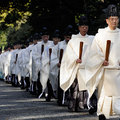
pixel 13 63
pixel 22 70
pixel 7 65
pixel 17 65
pixel 41 61
pixel 27 65
pixel 72 70
pixel 32 67
pixel 1 66
pixel 54 69
pixel 102 73
pixel 63 96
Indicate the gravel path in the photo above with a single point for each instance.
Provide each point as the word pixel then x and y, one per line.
pixel 17 104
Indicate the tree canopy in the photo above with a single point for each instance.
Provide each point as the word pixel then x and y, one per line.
pixel 21 18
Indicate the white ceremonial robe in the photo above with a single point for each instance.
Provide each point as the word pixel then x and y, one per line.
pixel 62 45
pixel 24 61
pixel 9 65
pixel 7 59
pixel 2 60
pixel 12 62
pixel 36 61
pixel 69 69
pixel 54 70
pixel 17 65
pixel 6 63
pixel 1 66
pixel 28 62
pixel 106 78
pixel 21 64
pixel 53 75
pixel 45 66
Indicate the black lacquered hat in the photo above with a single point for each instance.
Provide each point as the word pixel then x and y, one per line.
pixel 83 21
pixel 111 10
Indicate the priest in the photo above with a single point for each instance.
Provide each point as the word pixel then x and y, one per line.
pixel 72 70
pixel 103 66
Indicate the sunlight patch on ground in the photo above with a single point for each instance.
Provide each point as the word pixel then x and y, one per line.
pixel 8 105
pixel 47 116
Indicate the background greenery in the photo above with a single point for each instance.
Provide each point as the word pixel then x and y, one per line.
pixel 21 18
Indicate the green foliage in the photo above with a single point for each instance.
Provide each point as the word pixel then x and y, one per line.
pixel 3 38
pixel 18 18
pixel 20 34
pixel 13 21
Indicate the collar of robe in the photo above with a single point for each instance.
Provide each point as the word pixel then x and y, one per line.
pixel 83 36
pixel 44 42
pixel 112 31
pixel 65 43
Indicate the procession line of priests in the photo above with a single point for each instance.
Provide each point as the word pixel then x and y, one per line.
pixel 40 62
pixel 28 62
pixel 94 71
pixel 47 64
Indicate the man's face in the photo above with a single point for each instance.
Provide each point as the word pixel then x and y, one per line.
pixel 56 40
pixel 19 46
pixel 83 29
pixel 35 41
pixel 67 38
pixel 15 46
pixel 9 49
pixel 45 38
pixel 39 40
pixel 30 43
pixel 112 22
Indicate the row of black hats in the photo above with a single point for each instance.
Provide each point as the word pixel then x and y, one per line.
pixel 69 30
